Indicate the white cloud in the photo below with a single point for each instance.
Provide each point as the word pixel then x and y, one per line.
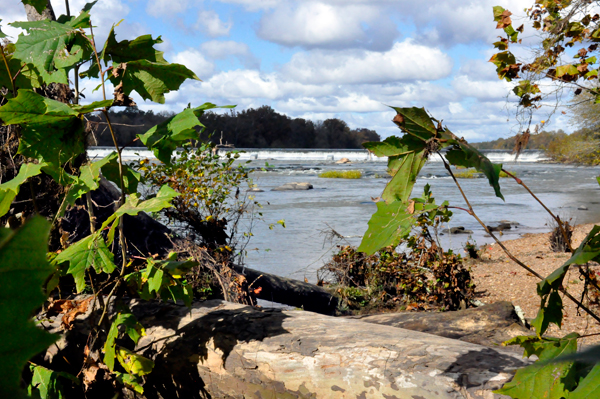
pixel 221 50
pixel 195 61
pixel 405 61
pixel 210 23
pixel 316 24
pixel 166 8
pixel 254 5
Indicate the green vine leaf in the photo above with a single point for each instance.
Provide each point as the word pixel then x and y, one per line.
pixel 131 178
pixel 416 122
pixel 90 251
pixel 25 76
pixel 151 80
pixel 543 379
pixel 589 387
pixel 31 108
pixel 23 271
pixel 394 221
pixel 133 363
pixel 10 189
pixel 88 180
pixel 86 109
pixel 164 138
pixel 462 154
pixel 48 382
pixel 131 327
pixel 133 206
pixel 46 43
pixel 141 48
pixel 550 312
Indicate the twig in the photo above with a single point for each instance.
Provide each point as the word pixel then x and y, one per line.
pixel 506 251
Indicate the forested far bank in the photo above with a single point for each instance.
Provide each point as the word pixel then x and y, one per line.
pixel 252 128
pixel 581 146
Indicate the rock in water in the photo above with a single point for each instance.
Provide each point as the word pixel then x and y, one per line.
pixel 344 160
pixel 293 186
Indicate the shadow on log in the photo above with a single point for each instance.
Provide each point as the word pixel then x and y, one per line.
pixel 290 292
pixel 222 350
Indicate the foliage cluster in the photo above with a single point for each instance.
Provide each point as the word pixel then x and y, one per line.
pixel 539 141
pixel 417 275
pixel 581 147
pixel 341 174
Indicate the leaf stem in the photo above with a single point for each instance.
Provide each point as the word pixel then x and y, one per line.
pixel 506 251
pixel 14 89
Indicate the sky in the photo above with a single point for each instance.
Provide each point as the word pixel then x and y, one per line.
pixel 319 59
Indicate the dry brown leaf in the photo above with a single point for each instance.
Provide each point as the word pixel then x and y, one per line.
pixel 79 308
pixel 411 207
pixel 398 119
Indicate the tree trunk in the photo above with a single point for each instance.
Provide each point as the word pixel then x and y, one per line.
pixel 33 15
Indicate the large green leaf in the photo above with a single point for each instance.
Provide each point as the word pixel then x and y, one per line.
pixel 151 80
pixel 164 138
pixel 23 270
pixel 550 312
pixel 10 189
pixel 55 144
pixel 90 251
pixel 133 363
pixel 46 45
pixel 131 178
pixel 394 221
pixel 462 154
pixel 86 109
pixel 25 76
pixel 543 379
pixel 31 108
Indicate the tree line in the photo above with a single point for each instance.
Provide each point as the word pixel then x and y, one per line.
pixel 252 128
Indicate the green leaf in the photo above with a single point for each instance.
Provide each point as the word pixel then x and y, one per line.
pixel 23 271
pixel 416 122
pixel 141 48
pixel 462 154
pixel 588 250
pixel 133 206
pixel 543 380
pixel 566 70
pixel 25 76
pixel 589 387
pixel 10 189
pixel 550 312
pixel 132 328
pixel 130 381
pixel 31 108
pixel 134 363
pixel 2 34
pixel 164 138
pixel 88 180
pixel 90 251
pixel 86 109
pixel 39 5
pixel 390 223
pixel 47 382
pixel 46 43
pixel 151 80
pixel 404 170
pixel 131 178
pixel 55 144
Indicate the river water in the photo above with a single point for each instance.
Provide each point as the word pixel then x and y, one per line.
pixel 346 205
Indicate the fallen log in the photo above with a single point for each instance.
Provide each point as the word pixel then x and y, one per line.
pixel 290 292
pixel 222 350
pixel 488 325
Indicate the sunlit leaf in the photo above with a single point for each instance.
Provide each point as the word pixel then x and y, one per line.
pixel 49 383
pixel 131 177
pixel 132 328
pixel 23 271
pixel 32 108
pixel 10 189
pixel 134 363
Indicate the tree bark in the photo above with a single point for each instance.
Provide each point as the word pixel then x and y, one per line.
pixel 33 15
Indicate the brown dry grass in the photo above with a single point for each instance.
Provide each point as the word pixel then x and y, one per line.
pixel 498 278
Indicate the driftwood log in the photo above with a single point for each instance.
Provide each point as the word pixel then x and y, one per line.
pixel 488 325
pixel 290 292
pixel 222 350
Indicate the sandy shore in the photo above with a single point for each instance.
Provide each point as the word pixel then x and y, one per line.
pixel 498 278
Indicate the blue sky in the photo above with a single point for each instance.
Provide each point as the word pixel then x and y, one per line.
pixel 319 59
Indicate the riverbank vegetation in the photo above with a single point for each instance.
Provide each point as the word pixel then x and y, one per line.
pixel 341 174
